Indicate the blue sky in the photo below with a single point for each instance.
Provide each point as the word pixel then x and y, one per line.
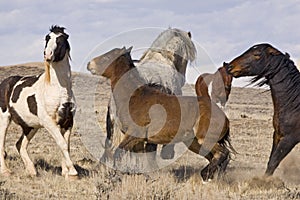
pixel 221 29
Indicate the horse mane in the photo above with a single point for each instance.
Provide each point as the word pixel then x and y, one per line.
pixel 164 39
pixel 289 73
pixel 273 66
pixel 57 29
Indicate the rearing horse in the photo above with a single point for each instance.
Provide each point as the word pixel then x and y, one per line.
pixel 277 70
pixel 39 101
pixel 164 65
pixel 187 119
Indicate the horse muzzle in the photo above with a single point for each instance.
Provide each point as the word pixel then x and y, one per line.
pixel 48 56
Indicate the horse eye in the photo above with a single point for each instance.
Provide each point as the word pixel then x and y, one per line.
pixel 47 38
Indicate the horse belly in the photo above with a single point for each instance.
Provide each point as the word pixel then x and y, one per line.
pixel 23 116
pixel 24 109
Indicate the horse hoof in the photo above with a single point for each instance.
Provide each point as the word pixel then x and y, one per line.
pixel 204 182
pixel 71 177
pixel 6 173
pixel 31 173
pixel 167 152
pixel 206 175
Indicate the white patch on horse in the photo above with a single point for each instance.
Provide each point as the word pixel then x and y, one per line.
pixel 210 88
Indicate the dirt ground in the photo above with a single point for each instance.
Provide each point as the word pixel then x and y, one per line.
pixel 250 113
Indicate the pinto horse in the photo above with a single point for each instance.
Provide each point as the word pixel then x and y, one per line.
pixel 277 70
pixel 201 125
pixel 218 85
pixel 39 101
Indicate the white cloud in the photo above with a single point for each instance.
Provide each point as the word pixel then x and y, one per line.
pixel 223 29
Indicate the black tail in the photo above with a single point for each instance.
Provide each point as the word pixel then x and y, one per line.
pixel 226 141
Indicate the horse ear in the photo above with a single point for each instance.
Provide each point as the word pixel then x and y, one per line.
pixel 225 64
pixel 273 51
pixel 123 50
pixel 190 34
pixel 129 49
pixel 287 55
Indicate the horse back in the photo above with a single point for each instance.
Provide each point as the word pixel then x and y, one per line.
pixel 6 88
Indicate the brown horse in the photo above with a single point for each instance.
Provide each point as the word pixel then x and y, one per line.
pixel 185 119
pixel 218 85
pixel 277 70
pixel 164 65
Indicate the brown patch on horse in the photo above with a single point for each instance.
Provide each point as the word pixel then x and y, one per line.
pixel 32 104
pixel 6 88
pixel 27 81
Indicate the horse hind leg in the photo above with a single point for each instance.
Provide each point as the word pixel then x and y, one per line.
pixel 218 162
pixel 4 123
pixel 194 146
pixel 127 144
pixel 22 145
pixel 167 151
pixel 285 145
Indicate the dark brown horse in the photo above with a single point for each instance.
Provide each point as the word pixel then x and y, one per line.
pixel 277 70
pixel 218 85
pixel 185 119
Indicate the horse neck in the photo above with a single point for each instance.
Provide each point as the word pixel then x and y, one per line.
pixel 124 86
pixel 285 87
pixel 59 74
pixel 125 77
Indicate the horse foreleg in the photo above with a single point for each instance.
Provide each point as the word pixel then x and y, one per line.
pixel 54 130
pixel 284 146
pixel 127 144
pixel 4 123
pixel 22 145
pixel 109 131
pixel 66 134
pixel 276 139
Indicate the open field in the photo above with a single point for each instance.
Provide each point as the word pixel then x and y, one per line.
pixel 249 110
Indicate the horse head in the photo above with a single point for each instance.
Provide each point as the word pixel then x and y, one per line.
pixel 104 64
pixel 253 61
pixel 175 46
pixel 57 45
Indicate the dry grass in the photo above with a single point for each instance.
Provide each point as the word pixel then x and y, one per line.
pixel 249 110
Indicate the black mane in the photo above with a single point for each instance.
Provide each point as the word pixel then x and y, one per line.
pixel 288 77
pixel 57 29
